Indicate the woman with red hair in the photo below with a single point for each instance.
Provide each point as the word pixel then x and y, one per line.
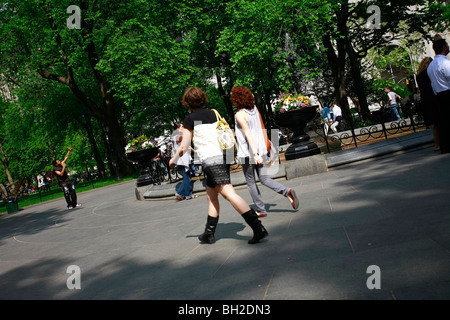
pixel 252 149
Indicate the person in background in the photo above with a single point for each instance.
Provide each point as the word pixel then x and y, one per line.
pixel 66 185
pixel 439 73
pixel 392 103
pixel 200 127
pixel 337 118
pixel 428 100
pixel 185 189
pixel 326 117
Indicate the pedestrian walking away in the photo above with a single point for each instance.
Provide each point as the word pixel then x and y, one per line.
pixel 200 127
pixel 326 118
pixel 65 183
pixel 337 118
pixel 392 103
pixel 254 148
pixel 439 73
pixel 185 189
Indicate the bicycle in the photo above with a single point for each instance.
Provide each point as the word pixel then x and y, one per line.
pixel 159 170
pixel 195 168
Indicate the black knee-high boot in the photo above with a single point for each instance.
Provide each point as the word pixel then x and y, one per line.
pixel 210 229
pixel 259 231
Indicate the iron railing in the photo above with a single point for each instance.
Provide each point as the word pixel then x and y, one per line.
pixel 353 137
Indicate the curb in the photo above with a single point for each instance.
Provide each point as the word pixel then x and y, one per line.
pixel 332 160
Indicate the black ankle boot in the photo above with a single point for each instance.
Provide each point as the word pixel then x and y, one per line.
pixel 210 228
pixel 259 231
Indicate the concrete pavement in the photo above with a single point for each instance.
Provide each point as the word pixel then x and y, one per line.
pixel 391 213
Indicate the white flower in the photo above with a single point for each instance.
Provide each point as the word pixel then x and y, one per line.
pixel 146 144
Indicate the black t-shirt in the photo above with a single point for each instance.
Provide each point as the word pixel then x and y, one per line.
pixel 61 179
pixel 200 116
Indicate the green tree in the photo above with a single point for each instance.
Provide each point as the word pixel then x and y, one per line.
pixel 271 44
pixel 23 142
pixel 148 67
pixel 5 150
pixel 37 40
pixel 90 60
pixel 201 24
pixel 352 34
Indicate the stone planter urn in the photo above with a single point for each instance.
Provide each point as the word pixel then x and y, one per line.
pixel 296 121
pixel 143 158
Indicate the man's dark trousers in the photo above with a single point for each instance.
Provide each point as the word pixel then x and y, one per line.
pixel 444 120
pixel 70 194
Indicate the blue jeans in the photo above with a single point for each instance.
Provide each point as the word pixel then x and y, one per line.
pixel 185 188
pixel 394 112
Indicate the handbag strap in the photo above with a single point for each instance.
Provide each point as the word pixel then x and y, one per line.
pixel 264 132
pixel 218 116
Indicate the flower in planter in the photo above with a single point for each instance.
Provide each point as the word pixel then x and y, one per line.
pixel 139 143
pixel 288 102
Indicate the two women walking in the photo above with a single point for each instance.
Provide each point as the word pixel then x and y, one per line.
pixel 200 127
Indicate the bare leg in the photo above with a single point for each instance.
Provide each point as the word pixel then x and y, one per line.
pixel 213 202
pixel 229 193
pixel 213 216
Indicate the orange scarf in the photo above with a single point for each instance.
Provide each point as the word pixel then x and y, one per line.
pixel 264 132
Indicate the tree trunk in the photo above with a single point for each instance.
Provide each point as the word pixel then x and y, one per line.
pixel 259 103
pixel 123 167
pixel 112 170
pixel 226 99
pixel 358 84
pixel 268 113
pixel 50 150
pixel 338 61
pixel 107 114
pixel 98 159
pixel 5 161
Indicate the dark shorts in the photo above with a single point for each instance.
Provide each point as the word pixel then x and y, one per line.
pixel 217 174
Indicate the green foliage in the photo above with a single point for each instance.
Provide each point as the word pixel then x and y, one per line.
pixel 148 51
pixel 263 34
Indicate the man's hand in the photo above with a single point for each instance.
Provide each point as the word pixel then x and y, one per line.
pixel 67 155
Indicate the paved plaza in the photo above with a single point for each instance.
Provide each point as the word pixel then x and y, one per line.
pixel 379 222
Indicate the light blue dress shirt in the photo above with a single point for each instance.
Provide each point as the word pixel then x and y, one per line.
pixel 439 73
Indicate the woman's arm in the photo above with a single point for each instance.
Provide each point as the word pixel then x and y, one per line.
pixel 185 145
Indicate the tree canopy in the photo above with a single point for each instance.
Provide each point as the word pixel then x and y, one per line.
pixel 91 77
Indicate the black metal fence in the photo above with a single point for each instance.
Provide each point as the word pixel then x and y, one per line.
pixel 351 137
